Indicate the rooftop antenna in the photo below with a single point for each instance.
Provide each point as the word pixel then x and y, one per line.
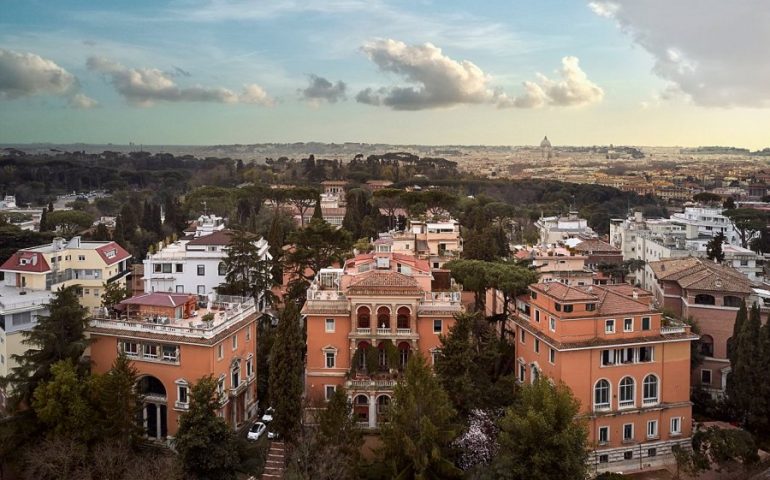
pixel 205 210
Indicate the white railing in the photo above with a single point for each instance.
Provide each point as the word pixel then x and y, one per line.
pixel 602 407
pixel 25 304
pixel 328 295
pixel 383 331
pixel 200 330
pixel 671 330
pixel 650 401
pixel 364 331
pixel 403 331
pixel 371 383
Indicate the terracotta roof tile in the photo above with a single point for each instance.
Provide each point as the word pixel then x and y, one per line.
pixel 22 261
pixel 120 253
pixel 699 274
pixel 158 299
pixel 221 237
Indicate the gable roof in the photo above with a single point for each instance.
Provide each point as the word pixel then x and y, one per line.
pixel 384 282
pixel 220 237
pixel 120 253
pixel 28 262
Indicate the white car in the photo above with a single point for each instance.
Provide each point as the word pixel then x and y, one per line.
pixel 267 417
pixel 256 431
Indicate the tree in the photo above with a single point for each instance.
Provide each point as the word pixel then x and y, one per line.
pixel 317 246
pixel 475 367
pixel 247 271
pixel 389 200
pixel 286 367
pixel 715 448
pixel 714 248
pixel 729 203
pixel 302 199
pixel 707 197
pixel 205 443
pixel 748 222
pixel 118 402
pixel 62 405
pixel 421 428
pixel 745 354
pixel 357 209
pixel 101 233
pixel 58 336
pixel 541 436
pixel 68 222
pixel 317 212
pixel 113 293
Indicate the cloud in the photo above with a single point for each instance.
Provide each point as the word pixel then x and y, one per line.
pixel 441 81
pixel 146 86
pixel 717 57
pixel 573 89
pixel 444 82
pixel 27 74
pixel 321 89
pixel 180 71
pixel 83 102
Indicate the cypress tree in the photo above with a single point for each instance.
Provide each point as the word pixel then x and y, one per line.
pixel 317 212
pixel 745 348
pixel 286 367
pixel 762 422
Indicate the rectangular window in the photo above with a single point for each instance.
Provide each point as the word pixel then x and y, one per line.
pixel 646 323
pixel 608 357
pixel 96 292
pixel 437 326
pixel 248 333
pixel 522 336
pixel 201 270
pixel 552 355
pixel 537 316
pixel 557 306
pixel 131 349
pixel 705 377
pixel 533 294
pixel 604 458
pixel 604 435
pixel 676 425
pixel 645 354
pixel 628 324
pixel 166 268
pixel 628 455
pixel 329 391
pixel 609 326
pixel 250 367
pixel 221 386
pixel 537 345
pixel 182 394
pixel 169 353
pixel 150 350
pixel 522 372
pixel 201 289
pixel 553 324
pixel 628 432
pixel 179 268
pixel 568 308
pixel 329 325
pixel 179 289
pixel 235 341
pixel 81 258
pixel 220 351
pixel 652 429
pixel 590 307
pixel 651 452
pixel 330 359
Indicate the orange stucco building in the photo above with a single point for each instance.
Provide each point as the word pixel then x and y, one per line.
pixel 173 346
pixel 630 372
pixel 366 319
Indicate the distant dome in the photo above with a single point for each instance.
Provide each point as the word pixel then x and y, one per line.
pixel 545 143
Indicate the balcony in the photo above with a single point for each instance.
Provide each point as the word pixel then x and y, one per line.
pixel 386 332
pixel 364 331
pixel 383 331
pixel 370 384
pixel 672 330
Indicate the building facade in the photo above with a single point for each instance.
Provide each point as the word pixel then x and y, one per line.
pixel 438 242
pixel 173 343
pixel 556 229
pixel 628 369
pixel 710 294
pixel 365 320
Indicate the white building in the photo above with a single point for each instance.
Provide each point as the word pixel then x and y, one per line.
pixel 709 222
pixel 193 264
pixel 559 228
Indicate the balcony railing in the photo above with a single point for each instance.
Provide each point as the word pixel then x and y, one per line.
pixel 373 383
pixel 364 331
pixel 604 407
pixel 403 331
pixel 671 330
pixel 383 331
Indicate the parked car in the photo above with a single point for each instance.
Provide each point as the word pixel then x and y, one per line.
pixel 256 431
pixel 267 417
pixel 272 435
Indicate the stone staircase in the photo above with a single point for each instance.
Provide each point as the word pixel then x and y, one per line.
pixel 274 465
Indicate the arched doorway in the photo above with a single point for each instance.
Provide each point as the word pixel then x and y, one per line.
pixel 403 318
pixel 154 414
pixel 362 317
pixel 383 403
pixel 361 408
pixel 383 317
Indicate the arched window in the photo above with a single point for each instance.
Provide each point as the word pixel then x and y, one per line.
pixel 222 269
pixel 705 299
pixel 403 354
pixel 361 408
pixel 383 317
pixel 650 390
pixel 626 392
pixel 235 374
pixel 403 318
pixel 732 301
pixel 602 395
pixel 363 315
pixel 362 349
pixel 706 346
pixel 383 403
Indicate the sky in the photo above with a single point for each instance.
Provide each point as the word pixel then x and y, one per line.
pixel 188 72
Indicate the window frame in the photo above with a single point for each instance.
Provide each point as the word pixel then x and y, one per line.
pixel 327 322
pixel 628 324
pixel 201 270
pixel 609 322
pixel 330 354
pixel 652 433
pixel 440 326
pixel 646 323
pixel 678 422
pixel 606 430
pixel 607 404
pixel 628 438
pixel 650 400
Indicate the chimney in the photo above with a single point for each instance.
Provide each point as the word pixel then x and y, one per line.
pixel 691 231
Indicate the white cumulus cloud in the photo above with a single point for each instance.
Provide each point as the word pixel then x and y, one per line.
pixel 320 89
pixel 26 74
pixel 82 101
pixel 715 52
pixel 147 86
pixel 440 81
